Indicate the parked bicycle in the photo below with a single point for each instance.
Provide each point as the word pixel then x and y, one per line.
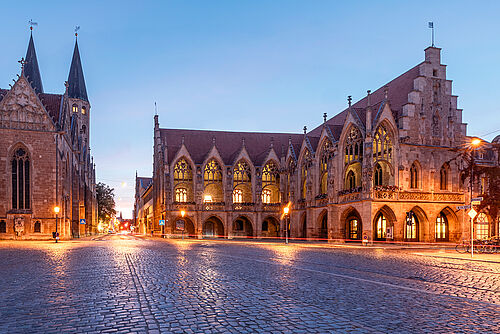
pixel 486 246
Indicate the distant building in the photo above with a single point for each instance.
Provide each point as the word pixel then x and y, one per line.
pixel 385 168
pixel 45 156
pixel 143 205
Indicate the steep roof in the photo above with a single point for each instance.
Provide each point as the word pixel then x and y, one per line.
pixel 397 95
pixel 229 144
pixel 31 70
pixel 76 80
pixel 52 103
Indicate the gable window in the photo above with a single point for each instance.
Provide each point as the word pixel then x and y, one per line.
pixel 382 145
pixel 414 176
pixel 270 183
pixel 20 169
pixel 353 146
pixel 242 183
pixel 212 179
pixel 75 108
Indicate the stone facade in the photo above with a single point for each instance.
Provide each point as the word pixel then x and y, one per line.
pixel 386 168
pixel 45 157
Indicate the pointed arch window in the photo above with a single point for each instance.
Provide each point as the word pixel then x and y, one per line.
pixel 441 227
pixel 242 182
pixel 351 180
pixel 181 195
pixel 414 179
pixel 74 108
pixel 213 172
pixel 381 227
pixel 382 145
pixel 443 178
pixel 183 178
pixel 326 153
pixel 270 183
pixel 306 162
pixel 84 110
pixel 20 171
pixel 212 180
pixel 379 174
pixel 353 146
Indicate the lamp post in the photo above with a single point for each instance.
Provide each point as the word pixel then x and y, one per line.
pixel 56 210
pixel 286 211
pixel 183 213
pixel 474 144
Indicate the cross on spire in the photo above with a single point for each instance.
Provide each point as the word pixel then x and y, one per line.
pixel 22 62
pixel 76 30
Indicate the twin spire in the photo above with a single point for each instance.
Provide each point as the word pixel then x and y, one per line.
pixel 76 80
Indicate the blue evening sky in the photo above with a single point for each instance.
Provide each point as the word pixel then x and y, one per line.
pixel 244 65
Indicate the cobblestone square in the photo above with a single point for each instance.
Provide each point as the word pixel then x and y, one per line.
pixel 124 284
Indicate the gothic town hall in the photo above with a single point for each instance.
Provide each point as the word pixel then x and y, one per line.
pixel 385 168
pixel 45 159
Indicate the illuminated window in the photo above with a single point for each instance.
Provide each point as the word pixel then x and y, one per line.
pixel 481 226
pixel 353 146
pixel 443 178
pixel 237 196
pixel 378 175
pixel 270 183
pixel 290 172
pixel 181 195
pixel 266 196
pixel 182 171
pixel 306 161
pixel 212 173
pixel 382 145
pixel 326 154
pixel 411 227
pixel 351 180
pixel 441 228
pixel 354 229
pixel 381 227
pixel 75 108
pixel 84 110
pixel 20 167
pixel 414 176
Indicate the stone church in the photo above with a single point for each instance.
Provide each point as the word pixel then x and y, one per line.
pixel 45 159
pixel 384 169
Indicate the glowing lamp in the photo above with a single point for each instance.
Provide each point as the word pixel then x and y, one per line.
pixel 183 213
pixel 57 209
pixel 476 142
pixel 286 210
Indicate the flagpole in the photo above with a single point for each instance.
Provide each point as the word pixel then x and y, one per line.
pixel 433 35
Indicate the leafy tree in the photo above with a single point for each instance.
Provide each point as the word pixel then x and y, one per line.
pixel 491 197
pixel 105 201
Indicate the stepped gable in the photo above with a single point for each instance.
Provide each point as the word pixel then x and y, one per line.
pixel 229 144
pixel 398 90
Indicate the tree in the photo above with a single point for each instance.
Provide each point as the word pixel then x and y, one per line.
pixel 105 201
pixel 491 192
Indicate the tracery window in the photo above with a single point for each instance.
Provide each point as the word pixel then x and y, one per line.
pixel 414 176
pixel 441 228
pixel 20 168
pixel 270 183
pixel 306 160
pixel 242 182
pixel 181 195
pixel 182 171
pixel 481 226
pixel 212 173
pixel 351 180
pixel 75 108
pixel 237 196
pixel 378 177
pixel 353 146
pixel 443 178
pixel 325 157
pixel 382 145
pixel 212 179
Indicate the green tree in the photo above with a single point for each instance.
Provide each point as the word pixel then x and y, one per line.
pixel 105 201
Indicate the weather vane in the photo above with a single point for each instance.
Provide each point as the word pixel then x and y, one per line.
pixel 32 24
pixel 76 30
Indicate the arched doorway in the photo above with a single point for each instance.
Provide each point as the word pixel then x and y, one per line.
pixel 353 228
pixel 189 230
pixel 383 225
pixel 270 227
pixel 323 227
pixel 411 227
pixel 380 227
pixel 242 227
pixel 213 228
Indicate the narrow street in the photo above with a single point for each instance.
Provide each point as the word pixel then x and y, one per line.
pixel 125 284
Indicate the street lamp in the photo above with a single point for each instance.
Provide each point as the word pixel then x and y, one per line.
pixel 475 143
pixel 286 211
pixel 183 213
pixel 56 210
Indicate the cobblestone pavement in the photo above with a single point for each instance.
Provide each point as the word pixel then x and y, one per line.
pixel 125 284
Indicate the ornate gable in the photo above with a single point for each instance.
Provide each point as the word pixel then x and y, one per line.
pixel 22 109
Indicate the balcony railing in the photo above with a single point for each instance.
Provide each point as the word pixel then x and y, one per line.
pixel 321 200
pixel 183 206
pixel 243 206
pixel 271 207
pixel 214 206
pixel 418 196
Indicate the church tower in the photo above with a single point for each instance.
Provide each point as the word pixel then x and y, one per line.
pixel 77 97
pixel 31 70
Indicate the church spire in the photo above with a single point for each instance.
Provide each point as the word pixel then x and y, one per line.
pixel 76 80
pixel 31 71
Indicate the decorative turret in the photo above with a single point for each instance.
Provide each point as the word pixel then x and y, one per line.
pixel 31 70
pixel 368 114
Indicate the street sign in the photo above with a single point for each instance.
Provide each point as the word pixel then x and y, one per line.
pixel 463 207
pixel 475 202
pixel 82 222
pixel 478 199
pixel 162 222
pixel 179 225
pixel 472 213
